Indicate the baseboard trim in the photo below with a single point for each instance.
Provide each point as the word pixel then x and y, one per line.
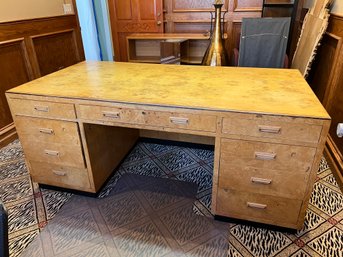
pixel 335 161
pixel 7 134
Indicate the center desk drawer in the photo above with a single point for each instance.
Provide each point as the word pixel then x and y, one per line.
pixel 42 109
pixel 181 120
pixel 274 127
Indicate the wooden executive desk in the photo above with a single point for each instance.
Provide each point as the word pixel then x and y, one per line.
pixel 269 129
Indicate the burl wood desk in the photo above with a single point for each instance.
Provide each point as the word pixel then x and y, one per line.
pixel 268 128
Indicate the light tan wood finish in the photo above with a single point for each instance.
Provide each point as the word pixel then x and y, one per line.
pixel 30 49
pixel 43 109
pixel 284 132
pixel 257 90
pixel 241 153
pixel 326 79
pixel 61 176
pixel 46 130
pixel 164 119
pixel 107 146
pixel 148 48
pixel 256 207
pixel 261 126
pixel 177 137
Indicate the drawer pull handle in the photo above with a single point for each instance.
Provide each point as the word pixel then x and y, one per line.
pixel 46 131
pixel 114 115
pixel 269 129
pixel 263 181
pixel 41 108
pixel 179 121
pixel 256 205
pixel 265 156
pixel 51 153
pixel 59 173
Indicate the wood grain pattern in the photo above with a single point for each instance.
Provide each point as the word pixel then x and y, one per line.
pixel 117 102
pixel 32 48
pixel 134 16
pixel 326 80
pixel 15 70
pixel 246 89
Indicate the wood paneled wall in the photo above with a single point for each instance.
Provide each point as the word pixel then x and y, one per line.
pixel 187 16
pixel 326 79
pixel 33 48
pixel 179 16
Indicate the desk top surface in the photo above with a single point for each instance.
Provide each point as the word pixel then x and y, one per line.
pixel 256 90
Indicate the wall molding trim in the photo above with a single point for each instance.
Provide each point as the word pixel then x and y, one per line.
pixel 7 135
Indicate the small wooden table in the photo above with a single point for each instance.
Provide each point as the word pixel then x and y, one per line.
pixel 267 125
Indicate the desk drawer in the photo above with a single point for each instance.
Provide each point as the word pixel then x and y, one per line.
pixel 42 109
pixel 152 118
pixel 257 207
pixel 270 127
pixel 57 175
pixel 282 183
pixel 240 153
pixel 60 154
pixel 45 130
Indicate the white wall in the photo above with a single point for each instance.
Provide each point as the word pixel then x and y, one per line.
pixel 337 7
pixel 11 10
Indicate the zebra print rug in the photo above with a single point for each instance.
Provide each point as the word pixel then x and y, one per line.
pixel 31 208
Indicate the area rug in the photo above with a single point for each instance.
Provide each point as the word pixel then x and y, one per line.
pixel 31 208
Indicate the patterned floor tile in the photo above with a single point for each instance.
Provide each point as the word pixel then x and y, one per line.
pixel 136 154
pixel 323 166
pixel 260 242
pixel 146 167
pixel 214 247
pixel 176 160
pixel 135 234
pixel 199 175
pixel 70 231
pixel 157 149
pixel 121 210
pixel 184 225
pixel 9 153
pixel 165 193
pixel 111 184
pixel 203 154
pixel 326 199
pixel 99 250
pixel 331 180
pixel 312 221
pixel 329 244
pixel 143 241
pixel 21 216
pixel 15 189
pixel 11 170
pixel 53 201
pixel 18 244
pixel 301 253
